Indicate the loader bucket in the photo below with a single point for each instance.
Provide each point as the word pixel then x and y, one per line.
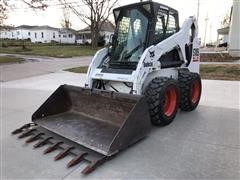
pixel 102 121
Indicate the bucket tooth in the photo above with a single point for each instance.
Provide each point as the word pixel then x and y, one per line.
pixel 42 143
pixel 93 165
pixel 26 126
pixel 34 138
pixel 63 153
pixel 52 148
pixel 76 160
pixel 27 133
pixel 17 131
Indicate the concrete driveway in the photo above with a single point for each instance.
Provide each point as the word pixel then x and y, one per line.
pixel 203 144
pixel 38 65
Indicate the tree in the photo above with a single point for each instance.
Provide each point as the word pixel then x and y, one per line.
pixel 66 23
pixel 94 15
pixel 8 5
pixel 226 20
pixel 37 4
pixel 3 10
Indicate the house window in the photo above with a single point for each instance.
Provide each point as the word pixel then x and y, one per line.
pixel 54 35
pixel 29 33
pixel 18 33
pixel 70 35
pixel 59 35
pixel 42 35
pixel 64 36
pixel 12 34
pixel 35 35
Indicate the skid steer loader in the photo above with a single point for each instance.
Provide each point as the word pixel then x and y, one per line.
pixel 149 71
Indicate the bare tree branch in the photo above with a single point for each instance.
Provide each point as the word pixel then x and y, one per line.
pixel 7 5
pixel 3 10
pixel 99 10
pixel 36 4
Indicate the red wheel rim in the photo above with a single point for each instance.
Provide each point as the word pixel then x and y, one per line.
pixel 170 101
pixel 195 91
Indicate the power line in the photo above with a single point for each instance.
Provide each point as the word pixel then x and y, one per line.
pixel 206 21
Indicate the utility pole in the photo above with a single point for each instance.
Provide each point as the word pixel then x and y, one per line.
pixel 198 10
pixel 206 22
pixel 210 34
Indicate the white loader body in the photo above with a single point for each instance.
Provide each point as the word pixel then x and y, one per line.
pixel 149 65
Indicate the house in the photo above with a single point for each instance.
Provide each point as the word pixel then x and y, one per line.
pixel 47 34
pixel 67 35
pixel 38 34
pixel 23 32
pixel 8 32
pixel 223 36
pixel 84 35
pixel 43 34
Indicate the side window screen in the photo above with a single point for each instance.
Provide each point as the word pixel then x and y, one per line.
pixel 171 26
pixel 160 25
pixel 123 29
pixel 165 25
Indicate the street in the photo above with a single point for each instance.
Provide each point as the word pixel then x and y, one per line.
pixel 39 65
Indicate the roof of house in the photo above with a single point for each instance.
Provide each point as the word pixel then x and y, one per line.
pixel 44 28
pixel 107 26
pixel 25 27
pixel 224 30
pixel 65 30
pixel 6 27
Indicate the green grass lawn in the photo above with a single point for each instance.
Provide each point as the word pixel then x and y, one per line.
pixel 207 71
pixel 221 72
pixel 7 59
pixel 78 69
pixel 50 50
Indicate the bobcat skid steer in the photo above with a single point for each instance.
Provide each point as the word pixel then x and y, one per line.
pixel 149 71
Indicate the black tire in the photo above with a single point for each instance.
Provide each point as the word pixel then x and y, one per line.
pixel 190 90
pixel 161 108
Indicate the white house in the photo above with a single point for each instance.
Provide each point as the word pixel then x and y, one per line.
pixel 84 35
pixel 47 34
pixel 67 35
pixel 44 34
pixel 24 32
pixel 39 34
pixel 8 32
pixel 223 36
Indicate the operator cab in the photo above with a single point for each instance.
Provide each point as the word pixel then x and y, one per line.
pixel 138 26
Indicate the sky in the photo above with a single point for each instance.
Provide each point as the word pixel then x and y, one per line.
pixel 213 10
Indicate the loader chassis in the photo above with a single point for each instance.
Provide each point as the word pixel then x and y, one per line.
pixel 150 71
pixel 147 43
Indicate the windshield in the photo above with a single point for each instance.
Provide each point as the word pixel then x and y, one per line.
pixel 130 37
